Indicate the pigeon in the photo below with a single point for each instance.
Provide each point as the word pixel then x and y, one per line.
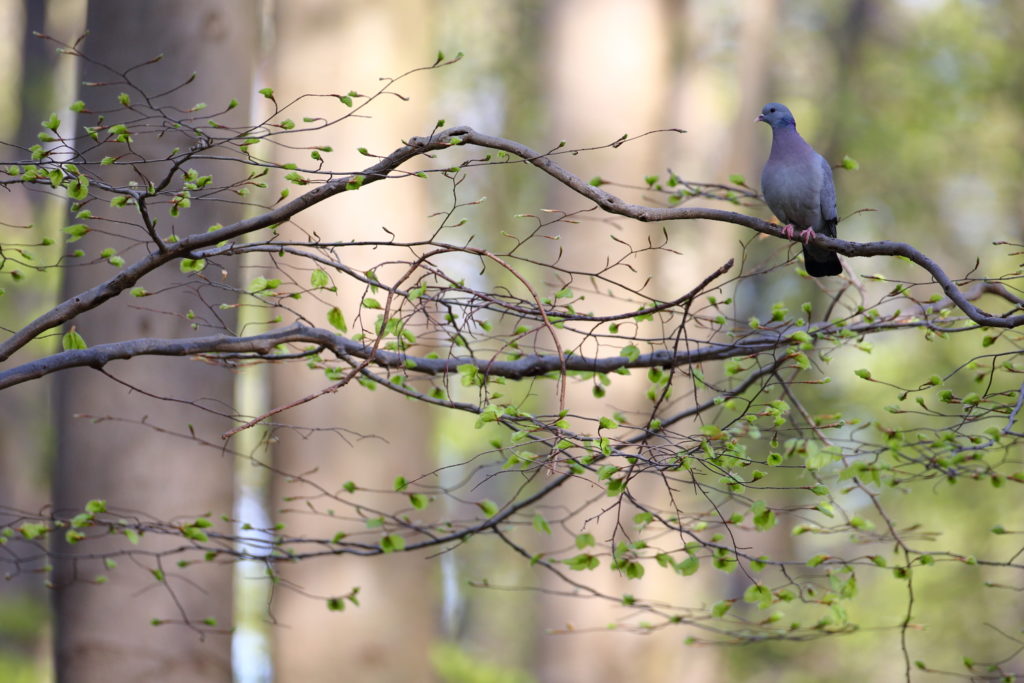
pixel 797 186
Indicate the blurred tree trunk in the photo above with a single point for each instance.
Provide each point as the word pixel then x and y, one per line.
pixel 849 35
pixel 38 62
pixel 759 19
pixel 102 630
pixel 497 89
pixel 631 45
pixel 368 438
pixel 26 92
pixel 22 421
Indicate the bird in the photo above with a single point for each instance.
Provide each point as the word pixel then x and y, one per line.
pixel 797 186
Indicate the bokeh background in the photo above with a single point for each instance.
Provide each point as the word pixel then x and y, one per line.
pixel 927 95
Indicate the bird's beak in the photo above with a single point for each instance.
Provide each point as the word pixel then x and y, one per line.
pixel 760 117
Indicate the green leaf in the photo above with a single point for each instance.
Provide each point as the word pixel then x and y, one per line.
pixel 189 265
pixel 287 124
pixel 737 179
pixel 82 519
pixel 370 302
pixel 634 570
pixel 541 524
pixel 76 232
pixel 73 340
pixel 418 500
pixel 850 164
pixel 77 106
pixel 124 99
pixel 318 278
pixel 392 543
pixel 615 487
pixel 764 517
pixel 863 373
pixel 78 188
pixel 689 566
pixel 489 507
pixel 582 561
pixel 608 423
pixel 585 540
pixel 416 293
pixel 759 594
pixel 400 483
pixel 32 530
pixel 337 320
pixel 631 352
pixel 262 284
pixel 720 608
pixel 53 123
pixel 267 92
pixel 818 457
pixel 816 560
pixel 95 506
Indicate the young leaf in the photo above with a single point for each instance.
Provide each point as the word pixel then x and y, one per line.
pixel 318 278
pixel 489 507
pixel 73 340
pixel 337 320
pixel 392 543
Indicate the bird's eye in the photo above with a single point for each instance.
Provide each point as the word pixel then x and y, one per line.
pixel 772 110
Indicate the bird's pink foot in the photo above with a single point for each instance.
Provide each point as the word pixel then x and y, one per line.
pixel 787 230
pixel 807 235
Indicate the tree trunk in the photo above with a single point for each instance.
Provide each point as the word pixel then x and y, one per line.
pixel 103 630
pixel 397 592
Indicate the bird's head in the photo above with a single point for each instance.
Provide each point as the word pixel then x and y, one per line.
pixel 776 115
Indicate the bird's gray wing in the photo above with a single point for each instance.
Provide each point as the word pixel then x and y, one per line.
pixel 829 211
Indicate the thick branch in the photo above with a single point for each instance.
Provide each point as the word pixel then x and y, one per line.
pixel 613 204
pixel 99 294
pixel 91 298
pixel 297 333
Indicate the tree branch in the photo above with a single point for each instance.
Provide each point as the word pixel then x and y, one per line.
pixel 527 366
pixel 459 135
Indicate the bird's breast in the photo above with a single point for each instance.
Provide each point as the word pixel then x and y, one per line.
pixel 792 190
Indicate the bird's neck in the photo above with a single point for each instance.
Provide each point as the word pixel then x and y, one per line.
pixel 785 140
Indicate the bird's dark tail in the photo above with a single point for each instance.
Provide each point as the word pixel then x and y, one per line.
pixel 821 262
